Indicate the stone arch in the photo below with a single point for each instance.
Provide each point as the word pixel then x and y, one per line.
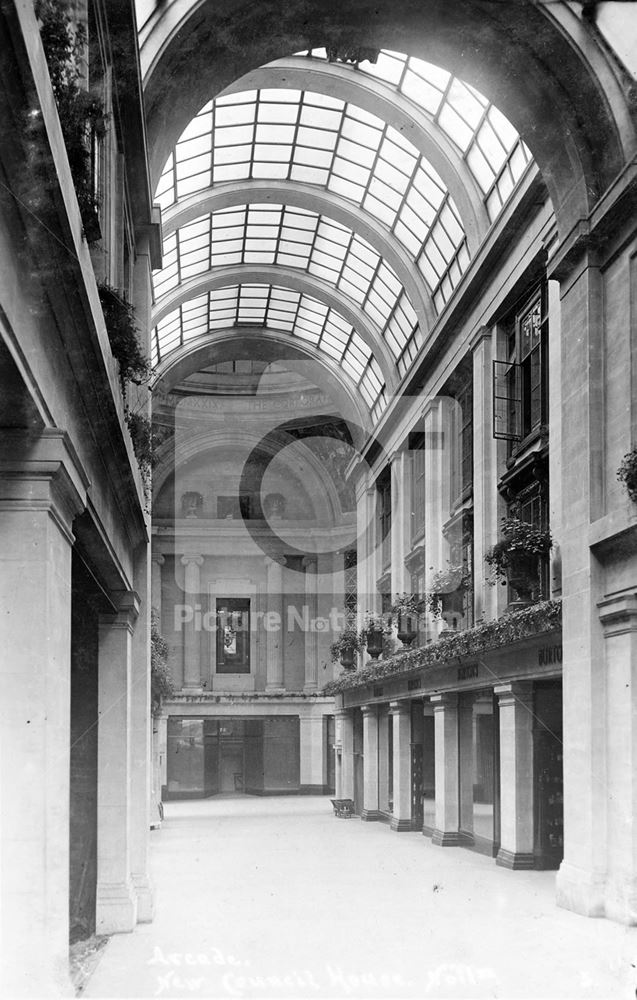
pixel 543 68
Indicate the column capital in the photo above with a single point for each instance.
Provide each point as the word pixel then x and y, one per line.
pixel 482 333
pixel 128 604
pixel 158 558
pixel 369 710
pixel 400 707
pixel 618 614
pixel 310 563
pixel 269 562
pixel 188 559
pixel 448 699
pixel 43 473
pixel 516 691
pixel 343 713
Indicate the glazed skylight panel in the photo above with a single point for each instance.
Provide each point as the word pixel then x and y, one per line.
pixel 493 149
pixel 277 234
pixel 309 138
pixel 276 308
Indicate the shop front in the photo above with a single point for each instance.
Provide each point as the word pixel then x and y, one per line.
pixel 465 748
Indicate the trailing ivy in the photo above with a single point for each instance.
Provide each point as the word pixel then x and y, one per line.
pixel 119 316
pixel 540 618
pixel 81 114
pixel 141 432
pixel 161 682
pixel 627 474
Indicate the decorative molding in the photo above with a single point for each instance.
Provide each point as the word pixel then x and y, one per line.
pixel 445 838
pixel 514 860
pixel 618 613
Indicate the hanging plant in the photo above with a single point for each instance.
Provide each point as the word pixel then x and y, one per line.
pixel 119 317
pixel 346 645
pixel 516 557
pixel 82 115
pixel 161 682
pixel 407 614
pixel 627 474
pixel 447 590
pixel 141 432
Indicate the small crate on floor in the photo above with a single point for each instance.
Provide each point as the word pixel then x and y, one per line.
pixel 343 807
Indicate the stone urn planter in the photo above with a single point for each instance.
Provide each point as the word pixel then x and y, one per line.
pixel 407 629
pixel 374 642
pixel 347 658
pixel 523 575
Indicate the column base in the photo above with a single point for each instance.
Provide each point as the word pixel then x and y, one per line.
pixel 39 978
pixel 192 689
pixel 115 908
pixel 400 825
pixel 580 890
pixel 310 688
pixel 274 689
pixel 445 838
pixel 621 900
pixel 514 860
pixel 145 898
pixel 370 815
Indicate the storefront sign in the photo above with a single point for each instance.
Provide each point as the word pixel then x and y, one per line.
pixel 549 654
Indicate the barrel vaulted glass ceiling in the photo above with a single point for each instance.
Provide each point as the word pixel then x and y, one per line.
pixel 318 141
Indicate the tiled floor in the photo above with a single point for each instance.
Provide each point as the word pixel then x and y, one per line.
pixel 276 898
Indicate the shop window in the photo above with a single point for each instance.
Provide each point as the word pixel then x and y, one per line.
pixel 233 636
pixel 520 384
pixel 461 465
pixel 479 771
pixel 417 448
pixel 383 517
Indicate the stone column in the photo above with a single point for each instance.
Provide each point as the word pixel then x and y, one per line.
pixel 192 638
pixel 158 766
pixel 157 563
pixel 366 566
pixel 338 755
pixel 273 625
pixel 485 471
pixel 311 753
pixel 516 775
pixel 42 488
pixel 311 637
pixel 141 742
pixel 447 790
pixel 370 763
pixel 619 619
pixel 383 761
pixel 116 904
pixel 581 880
pixel 400 521
pixel 401 712
pixel 347 755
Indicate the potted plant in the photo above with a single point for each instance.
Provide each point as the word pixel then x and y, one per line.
pixel 82 115
pixel 373 632
pixel 122 330
pixel 516 557
pixel 346 645
pixel 447 590
pixel 627 473
pixel 407 611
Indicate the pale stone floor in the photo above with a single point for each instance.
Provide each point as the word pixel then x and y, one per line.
pixel 276 898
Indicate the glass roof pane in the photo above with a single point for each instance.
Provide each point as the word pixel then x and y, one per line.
pixel 456 106
pixel 321 140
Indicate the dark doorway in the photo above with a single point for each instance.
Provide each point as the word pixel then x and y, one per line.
pixel 83 757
